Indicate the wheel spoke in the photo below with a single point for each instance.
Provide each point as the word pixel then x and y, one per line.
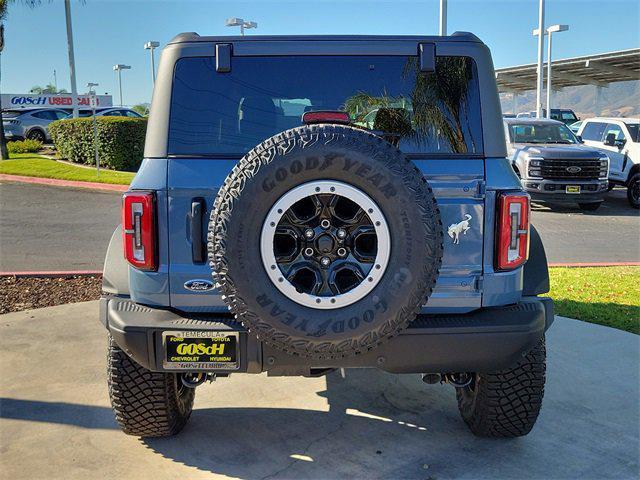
pixel 306 278
pixel 324 246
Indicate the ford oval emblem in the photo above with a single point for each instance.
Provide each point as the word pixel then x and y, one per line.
pixel 198 285
pixel 573 169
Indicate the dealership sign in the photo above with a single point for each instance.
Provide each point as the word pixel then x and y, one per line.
pixel 10 100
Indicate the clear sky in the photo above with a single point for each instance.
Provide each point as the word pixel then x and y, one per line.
pixel 114 31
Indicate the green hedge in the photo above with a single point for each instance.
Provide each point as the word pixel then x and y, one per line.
pixel 24 146
pixel 120 141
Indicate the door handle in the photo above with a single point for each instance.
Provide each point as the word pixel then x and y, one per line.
pixel 197 242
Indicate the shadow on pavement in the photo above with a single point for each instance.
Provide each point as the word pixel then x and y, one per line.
pixel 387 425
pixel 85 416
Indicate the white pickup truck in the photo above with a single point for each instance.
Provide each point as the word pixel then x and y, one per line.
pixel 620 139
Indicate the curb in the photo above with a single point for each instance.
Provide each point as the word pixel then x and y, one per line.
pixel 53 182
pixel 54 273
pixel 595 264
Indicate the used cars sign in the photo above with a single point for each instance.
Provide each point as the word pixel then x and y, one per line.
pixel 11 100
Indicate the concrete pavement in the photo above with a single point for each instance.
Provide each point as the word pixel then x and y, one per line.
pixel 56 421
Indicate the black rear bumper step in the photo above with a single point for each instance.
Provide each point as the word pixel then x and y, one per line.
pixel 487 339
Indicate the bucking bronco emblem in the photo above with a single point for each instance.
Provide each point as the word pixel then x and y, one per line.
pixel 456 229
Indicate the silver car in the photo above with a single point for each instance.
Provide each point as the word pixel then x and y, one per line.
pixel 108 112
pixel 30 123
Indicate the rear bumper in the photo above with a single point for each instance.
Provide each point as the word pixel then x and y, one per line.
pixel 485 340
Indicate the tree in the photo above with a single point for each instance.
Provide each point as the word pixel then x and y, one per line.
pixel 141 108
pixel 4 154
pixel 49 89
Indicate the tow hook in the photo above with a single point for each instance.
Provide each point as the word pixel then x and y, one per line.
pixel 458 380
pixel 193 379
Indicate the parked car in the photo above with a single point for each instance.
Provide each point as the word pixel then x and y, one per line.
pixel 108 112
pixel 553 165
pixel 30 123
pixel 620 139
pixel 256 241
pixel 574 127
pixel 563 115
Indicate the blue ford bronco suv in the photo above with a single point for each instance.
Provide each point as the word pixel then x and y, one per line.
pixel 314 203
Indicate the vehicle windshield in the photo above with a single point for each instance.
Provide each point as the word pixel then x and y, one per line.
pixel 634 131
pixel 230 113
pixel 541 133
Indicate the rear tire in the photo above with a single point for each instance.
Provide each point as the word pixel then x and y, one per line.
pixel 589 207
pixel 505 404
pixel 37 135
pixel 633 191
pixel 146 403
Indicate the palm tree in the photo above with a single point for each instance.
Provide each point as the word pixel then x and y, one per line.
pixel 440 100
pixel 4 154
pixel 439 103
pixel 49 89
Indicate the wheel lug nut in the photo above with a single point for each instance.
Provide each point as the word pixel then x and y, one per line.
pixel 342 252
pixel 308 233
pixel 325 223
pixel 308 251
pixel 341 233
pixel 325 261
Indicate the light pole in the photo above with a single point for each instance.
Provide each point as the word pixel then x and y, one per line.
pixel 72 60
pixel 443 17
pixel 152 46
pixel 118 68
pixel 239 22
pixel 549 31
pixel 540 53
pixel 94 101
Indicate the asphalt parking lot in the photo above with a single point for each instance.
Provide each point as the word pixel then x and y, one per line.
pixel 610 234
pixel 53 228
pixel 56 421
pixel 49 228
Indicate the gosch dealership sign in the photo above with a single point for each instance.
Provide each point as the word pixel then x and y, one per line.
pixel 10 100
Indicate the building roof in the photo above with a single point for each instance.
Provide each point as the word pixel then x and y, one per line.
pixel 600 70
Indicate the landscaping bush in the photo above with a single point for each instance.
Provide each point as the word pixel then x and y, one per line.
pixel 120 141
pixel 24 146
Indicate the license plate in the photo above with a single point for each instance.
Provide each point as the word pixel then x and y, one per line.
pixel 200 350
pixel 573 188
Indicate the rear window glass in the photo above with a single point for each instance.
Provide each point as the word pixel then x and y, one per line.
pixel 230 113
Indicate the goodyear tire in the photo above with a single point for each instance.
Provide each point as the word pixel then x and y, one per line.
pixel 146 403
pixel 316 194
pixel 505 404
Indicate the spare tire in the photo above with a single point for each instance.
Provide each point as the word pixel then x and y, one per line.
pixel 325 240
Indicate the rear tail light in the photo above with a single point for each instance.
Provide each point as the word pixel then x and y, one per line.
pixel 326 117
pixel 512 247
pixel 139 230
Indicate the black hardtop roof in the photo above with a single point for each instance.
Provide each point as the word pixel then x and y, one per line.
pixel 455 37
